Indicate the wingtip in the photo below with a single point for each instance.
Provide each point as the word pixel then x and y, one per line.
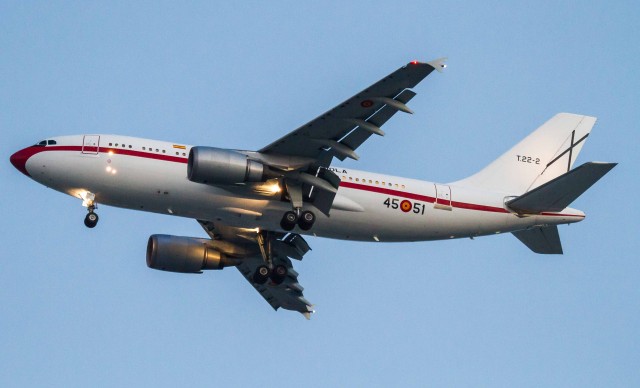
pixel 307 314
pixel 438 64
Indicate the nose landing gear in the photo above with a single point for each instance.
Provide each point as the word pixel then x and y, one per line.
pixel 91 219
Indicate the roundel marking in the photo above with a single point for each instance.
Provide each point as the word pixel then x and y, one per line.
pixel 366 104
pixel 405 206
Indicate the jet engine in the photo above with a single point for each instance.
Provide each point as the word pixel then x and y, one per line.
pixel 216 166
pixel 184 254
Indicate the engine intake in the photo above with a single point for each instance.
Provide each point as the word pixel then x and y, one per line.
pixel 216 166
pixel 184 254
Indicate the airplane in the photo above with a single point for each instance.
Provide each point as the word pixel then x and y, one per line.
pixel 256 205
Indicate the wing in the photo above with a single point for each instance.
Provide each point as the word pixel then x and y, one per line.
pixel 340 131
pixel 243 244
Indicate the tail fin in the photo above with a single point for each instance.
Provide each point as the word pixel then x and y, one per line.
pixel 545 154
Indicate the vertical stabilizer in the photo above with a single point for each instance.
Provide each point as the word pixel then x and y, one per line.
pixel 545 154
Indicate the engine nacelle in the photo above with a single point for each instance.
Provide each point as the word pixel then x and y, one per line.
pixel 184 254
pixel 216 166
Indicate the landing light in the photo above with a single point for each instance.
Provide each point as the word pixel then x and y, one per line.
pixel 268 188
pixel 87 198
pixel 274 188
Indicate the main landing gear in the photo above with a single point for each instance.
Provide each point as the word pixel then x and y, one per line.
pixel 304 220
pixel 263 273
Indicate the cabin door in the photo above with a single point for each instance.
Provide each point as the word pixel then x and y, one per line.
pixel 91 144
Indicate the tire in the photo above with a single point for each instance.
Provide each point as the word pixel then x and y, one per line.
pixel 261 275
pixel 279 273
pixel 288 221
pixel 306 221
pixel 91 220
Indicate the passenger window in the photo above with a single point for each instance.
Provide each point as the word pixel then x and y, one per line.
pixel 164 152
pixel 130 146
pixel 144 148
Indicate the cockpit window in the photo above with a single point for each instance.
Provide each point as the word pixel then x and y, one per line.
pixel 51 142
pixel 42 143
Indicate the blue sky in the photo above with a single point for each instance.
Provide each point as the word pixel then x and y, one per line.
pixel 79 307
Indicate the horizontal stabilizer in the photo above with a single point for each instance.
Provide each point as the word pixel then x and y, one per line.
pixel 557 194
pixel 544 240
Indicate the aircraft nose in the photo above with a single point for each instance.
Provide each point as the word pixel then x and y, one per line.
pixel 19 160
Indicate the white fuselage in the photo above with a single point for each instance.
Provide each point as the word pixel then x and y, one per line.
pixel 151 175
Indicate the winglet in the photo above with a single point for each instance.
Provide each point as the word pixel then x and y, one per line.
pixel 438 64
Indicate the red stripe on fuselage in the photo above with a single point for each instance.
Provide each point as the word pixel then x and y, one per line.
pixel 108 151
pixel 425 198
pixel 349 185
pixel 418 197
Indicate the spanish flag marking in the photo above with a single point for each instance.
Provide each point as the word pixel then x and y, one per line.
pixel 180 147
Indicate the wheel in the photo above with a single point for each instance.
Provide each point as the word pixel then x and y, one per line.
pixel 261 275
pixel 306 220
pixel 288 221
pixel 279 273
pixel 91 220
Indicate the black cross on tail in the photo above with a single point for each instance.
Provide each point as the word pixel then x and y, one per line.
pixel 569 150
